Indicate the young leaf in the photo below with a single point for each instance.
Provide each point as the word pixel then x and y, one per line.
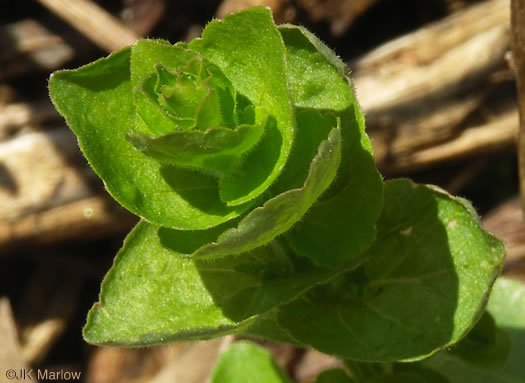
pixel 97 102
pixel 175 88
pixel 214 151
pixel 249 50
pixel 174 83
pixel 246 362
pixel 246 149
pixel 280 213
pixel 432 263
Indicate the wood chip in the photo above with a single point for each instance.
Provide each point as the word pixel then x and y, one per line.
pixel 421 92
pixel 178 363
pixel 339 13
pixel 492 137
pixel 142 15
pixel 16 116
pixel 49 301
pixel 47 194
pixel 28 46
pixel 38 171
pixel 94 22
pixel 465 45
pixel 507 222
pixel 518 54
pixel 278 8
pixel 194 365
pixel 313 363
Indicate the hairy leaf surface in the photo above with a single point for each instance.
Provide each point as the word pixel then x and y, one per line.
pixel 98 104
pixel 174 298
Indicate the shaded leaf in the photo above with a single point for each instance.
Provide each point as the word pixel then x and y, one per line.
pixel 342 225
pixel 365 371
pixel 313 128
pixel 267 327
pixel 399 377
pixel 280 213
pixel 507 307
pixel 260 280
pixel 334 375
pixel 431 264
pixel 485 345
pixel 418 369
pixel 174 298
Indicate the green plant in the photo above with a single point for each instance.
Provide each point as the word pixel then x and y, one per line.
pixel 245 155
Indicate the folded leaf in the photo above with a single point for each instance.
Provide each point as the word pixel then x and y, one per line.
pixel 280 213
pixel 249 50
pixel 216 150
pixel 312 65
pixel 342 225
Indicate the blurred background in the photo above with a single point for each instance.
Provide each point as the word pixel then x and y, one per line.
pixel 435 79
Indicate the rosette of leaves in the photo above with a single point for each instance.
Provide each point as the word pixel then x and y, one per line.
pixel 245 155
